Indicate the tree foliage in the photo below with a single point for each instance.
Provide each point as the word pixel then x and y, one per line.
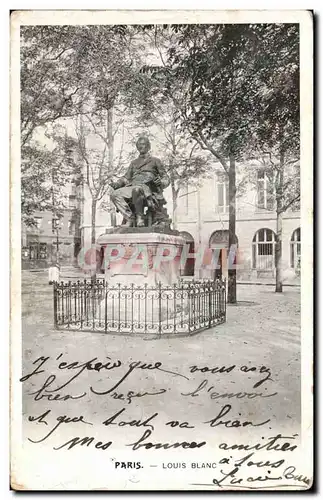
pixel 277 113
pixel 231 89
pixel 66 71
pixel 45 172
pixel 235 86
pixel 239 97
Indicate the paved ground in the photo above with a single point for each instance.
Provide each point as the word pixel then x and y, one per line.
pixel 262 332
pixel 262 329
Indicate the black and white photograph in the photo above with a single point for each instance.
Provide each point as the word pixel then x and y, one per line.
pixel 161 250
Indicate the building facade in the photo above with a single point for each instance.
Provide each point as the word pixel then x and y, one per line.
pixel 52 239
pixel 202 217
pixel 203 220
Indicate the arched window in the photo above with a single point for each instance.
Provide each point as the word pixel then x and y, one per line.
pixel 263 250
pixel 295 249
pixel 190 262
pixel 219 240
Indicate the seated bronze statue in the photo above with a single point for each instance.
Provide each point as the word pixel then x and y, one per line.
pixel 141 190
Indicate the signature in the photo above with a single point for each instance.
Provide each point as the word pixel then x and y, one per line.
pixel 230 479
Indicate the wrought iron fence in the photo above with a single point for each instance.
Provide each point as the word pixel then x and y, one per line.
pixel 183 308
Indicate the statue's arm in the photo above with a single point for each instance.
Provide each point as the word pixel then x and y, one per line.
pixel 122 181
pixel 164 179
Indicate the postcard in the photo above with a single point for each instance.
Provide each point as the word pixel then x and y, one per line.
pixel 161 250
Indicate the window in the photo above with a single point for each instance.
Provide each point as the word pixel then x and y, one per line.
pixel 72 201
pixel 42 254
pixel 33 251
pixel 222 187
pixel 38 222
pixel 263 249
pixel 36 251
pixel 295 249
pixel 219 243
pixel 190 262
pixel 71 227
pixel 265 190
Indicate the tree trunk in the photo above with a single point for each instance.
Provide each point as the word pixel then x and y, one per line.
pixel 199 229
pixel 93 239
pixel 232 275
pixel 278 256
pixel 110 137
pixel 279 226
pixel 113 213
pixel 174 201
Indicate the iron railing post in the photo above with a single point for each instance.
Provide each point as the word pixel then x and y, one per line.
pixel 159 308
pixel 55 304
pixel 132 306
pixel 210 288
pixel 62 302
pixel 189 301
pixel 174 306
pixel 225 299
pixel 105 310
pixel 68 303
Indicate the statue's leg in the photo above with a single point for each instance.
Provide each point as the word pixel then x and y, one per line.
pixel 119 197
pixel 138 200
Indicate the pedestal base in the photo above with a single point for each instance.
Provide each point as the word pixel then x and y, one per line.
pixel 141 257
pixel 145 309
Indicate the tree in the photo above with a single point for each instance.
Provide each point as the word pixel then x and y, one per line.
pixel 69 70
pixel 210 66
pixel 45 173
pixel 95 146
pixel 239 93
pixel 276 120
pixel 66 72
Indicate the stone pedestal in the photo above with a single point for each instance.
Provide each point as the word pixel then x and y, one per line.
pixel 141 256
pixel 142 268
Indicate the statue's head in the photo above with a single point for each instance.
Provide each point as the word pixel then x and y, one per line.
pixel 143 144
